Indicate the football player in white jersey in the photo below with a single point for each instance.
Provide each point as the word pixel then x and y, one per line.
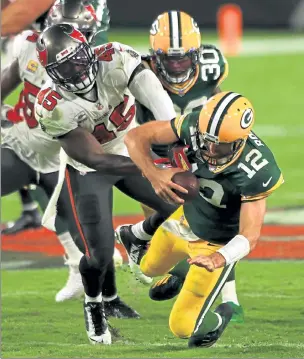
pixel 30 216
pixel 31 156
pixel 89 106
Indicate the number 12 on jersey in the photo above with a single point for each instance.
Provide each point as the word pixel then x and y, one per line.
pixel 254 158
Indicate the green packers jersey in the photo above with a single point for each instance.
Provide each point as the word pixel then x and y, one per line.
pixel 212 70
pixel 253 175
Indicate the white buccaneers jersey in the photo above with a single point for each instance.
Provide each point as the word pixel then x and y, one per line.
pixel 110 117
pixel 26 138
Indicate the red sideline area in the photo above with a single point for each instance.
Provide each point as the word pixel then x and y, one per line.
pixel 277 241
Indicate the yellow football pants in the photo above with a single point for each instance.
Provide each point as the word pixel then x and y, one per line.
pixel 200 288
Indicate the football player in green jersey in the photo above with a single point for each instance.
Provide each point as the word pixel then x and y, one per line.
pixel 191 73
pixel 30 217
pixel 237 172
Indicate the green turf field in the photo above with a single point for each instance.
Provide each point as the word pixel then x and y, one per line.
pixel 33 325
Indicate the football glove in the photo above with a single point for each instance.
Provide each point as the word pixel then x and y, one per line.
pixel 177 154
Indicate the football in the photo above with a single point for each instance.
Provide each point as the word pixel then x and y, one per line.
pixel 190 182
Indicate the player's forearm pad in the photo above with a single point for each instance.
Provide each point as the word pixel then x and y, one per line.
pixel 236 249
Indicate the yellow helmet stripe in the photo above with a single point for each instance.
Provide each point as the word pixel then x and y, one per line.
pixel 175 29
pixel 220 109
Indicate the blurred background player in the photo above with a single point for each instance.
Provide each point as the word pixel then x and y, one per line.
pixel 29 196
pixel 16 17
pixel 191 72
pixel 40 152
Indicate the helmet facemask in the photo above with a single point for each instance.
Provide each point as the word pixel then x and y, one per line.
pixel 77 71
pixel 176 67
pixel 217 153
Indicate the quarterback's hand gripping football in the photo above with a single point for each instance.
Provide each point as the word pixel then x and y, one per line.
pixel 161 181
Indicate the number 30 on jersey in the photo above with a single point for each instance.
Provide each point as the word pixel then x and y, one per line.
pixel 210 68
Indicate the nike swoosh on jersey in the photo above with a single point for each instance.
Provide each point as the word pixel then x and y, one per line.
pixel 267 183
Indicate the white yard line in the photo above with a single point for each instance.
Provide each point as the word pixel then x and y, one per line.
pixel 29 293
pixel 177 344
pixel 15 265
pixel 271 295
pixel 262 47
pixel 276 130
pixel 250 295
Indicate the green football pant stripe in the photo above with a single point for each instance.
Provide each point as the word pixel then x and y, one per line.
pixel 210 300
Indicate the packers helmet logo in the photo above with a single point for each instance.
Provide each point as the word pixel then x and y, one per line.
pixel 247 118
pixel 155 27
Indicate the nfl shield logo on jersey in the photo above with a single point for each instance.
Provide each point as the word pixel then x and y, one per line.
pixel 99 106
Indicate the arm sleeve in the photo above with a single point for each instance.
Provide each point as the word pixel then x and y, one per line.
pixel 148 90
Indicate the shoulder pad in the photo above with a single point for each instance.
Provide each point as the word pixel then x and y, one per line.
pixel 23 41
pixel 260 172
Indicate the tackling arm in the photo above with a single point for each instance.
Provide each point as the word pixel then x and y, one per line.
pixel 82 146
pixel 148 91
pixel 140 139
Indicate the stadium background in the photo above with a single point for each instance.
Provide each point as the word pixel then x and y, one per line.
pixel 269 71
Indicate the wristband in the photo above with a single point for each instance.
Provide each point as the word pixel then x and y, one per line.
pixel 235 249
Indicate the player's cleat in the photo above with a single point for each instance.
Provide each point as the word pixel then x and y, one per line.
pixel 116 308
pixel 73 288
pixel 27 220
pixel 238 313
pixel 96 323
pixel 225 310
pixel 135 248
pixel 166 288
